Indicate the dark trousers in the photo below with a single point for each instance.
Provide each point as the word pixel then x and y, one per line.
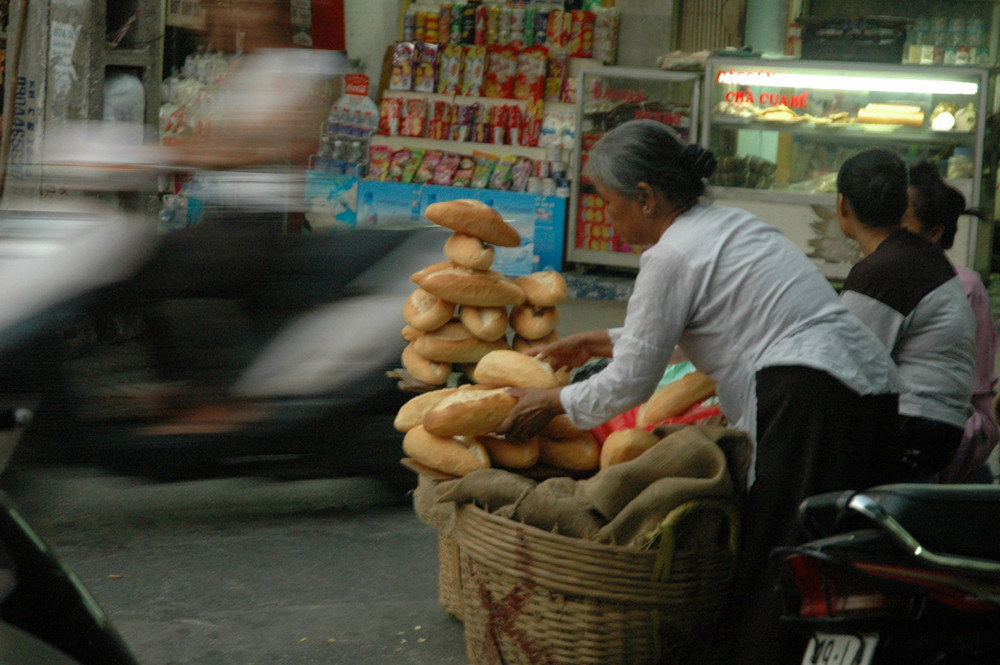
pixel 814 435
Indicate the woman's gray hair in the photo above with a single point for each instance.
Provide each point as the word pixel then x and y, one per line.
pixel 651 152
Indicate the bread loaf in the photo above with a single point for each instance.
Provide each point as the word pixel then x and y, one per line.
pixel 513 368
pixel 560 427
pixel 510 454
pixel 474 218
pixel 469 412
pixel 409 333
pixel 423 272
pixel 521 344
pixel 453 343
pixel 489 323
pixel 413 411
pixel 422 369
pixel 544 289
pixel 468 251
pixel 675 398
pixel 454 456
pixel 579 454
pixel 425 311
pixel 483 288
pixel 624 445
pixel 533 322
pixel 891 114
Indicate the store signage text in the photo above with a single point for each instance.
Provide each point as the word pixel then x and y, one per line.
pixel 768 98
pixel 603 91
pixel 356 84
pixel 666 117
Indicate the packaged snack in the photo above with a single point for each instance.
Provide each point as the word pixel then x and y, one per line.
pixel 514 125
pixel 444 24
pixel 530 19
pixel 532 64
pixel 379 157
pixel 558 66
pixel 425 68
pixel 439 123
pixel 461 123
pixel 431 28
pixel 419 25
pixel 425 172
pixel 479 35
pixel 503 26
pixel 414 118
pixel 542 26
pixel 401 75
pixel 498 124
pixel 455 25
pixel 450 70
pixel 464 172
pixel 480 127
pixel 468 25
pixel 531 124
pixel 557 28
pixel 517 27
pixel 473 70
pixel 396 164
pixel 581 34
pixel 390 113
pixel 482 171
pixel 411 165
pixel 502 173
pixel 520 173
pixel 501 69
pixel 493 25
pixel 554 126
pixel 606 23
pixel 445 171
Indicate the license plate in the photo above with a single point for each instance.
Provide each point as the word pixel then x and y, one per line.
pixel 839 649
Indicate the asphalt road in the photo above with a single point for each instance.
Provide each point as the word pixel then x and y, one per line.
pixel 247 571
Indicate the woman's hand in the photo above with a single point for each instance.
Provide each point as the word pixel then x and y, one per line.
pixel 574 351
pixel 535 408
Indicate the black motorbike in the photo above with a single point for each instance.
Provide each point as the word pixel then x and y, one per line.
pixel 903 573
pixel 282 371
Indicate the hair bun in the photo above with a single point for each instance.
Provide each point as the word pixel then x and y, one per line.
pixel 700 160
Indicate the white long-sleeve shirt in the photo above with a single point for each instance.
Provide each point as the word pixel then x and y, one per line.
pixel 736 296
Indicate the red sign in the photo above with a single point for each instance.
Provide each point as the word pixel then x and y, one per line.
pixel 356 84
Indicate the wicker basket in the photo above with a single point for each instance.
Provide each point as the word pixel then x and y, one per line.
pixel 449 576
pixel 531 597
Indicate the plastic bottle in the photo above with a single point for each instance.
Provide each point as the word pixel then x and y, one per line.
pixel 957 28
pixel 976 41
pixel 939 37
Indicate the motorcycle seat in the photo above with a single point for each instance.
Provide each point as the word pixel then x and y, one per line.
pixel 961 520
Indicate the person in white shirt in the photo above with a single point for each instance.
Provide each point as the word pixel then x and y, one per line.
pixel 814 387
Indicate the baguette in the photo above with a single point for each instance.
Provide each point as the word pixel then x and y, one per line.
pixel 891 114
pixel 489 323
pixel 483 288
pixel 409 333
pixel 512 368
pixel 475 218
pixel 423 272
pixel 469 412
pixel 425 311
pixel 422 369
pixel 454 456
pixel 675 398
pixel 510 454
pixel 579 454
pixel 453 343
pixel 468 251
pixel 560 427
pixel 412 413
pixel 532 321
pixel 522 344
pixel 544 289
pixel 624 445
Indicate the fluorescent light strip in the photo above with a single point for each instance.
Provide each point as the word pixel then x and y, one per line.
pixel 835 82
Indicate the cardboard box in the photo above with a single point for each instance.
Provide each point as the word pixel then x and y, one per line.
pixel 331 201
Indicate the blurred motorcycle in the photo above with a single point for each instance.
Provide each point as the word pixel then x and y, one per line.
pixel 897 574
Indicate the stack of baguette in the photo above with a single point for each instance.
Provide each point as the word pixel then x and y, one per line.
pixel 452 430
pixel 460 309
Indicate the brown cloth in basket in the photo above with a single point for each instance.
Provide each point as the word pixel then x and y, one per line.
pixel 622 504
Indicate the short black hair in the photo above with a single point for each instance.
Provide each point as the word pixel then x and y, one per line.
pixel 936 203
pixel 874 184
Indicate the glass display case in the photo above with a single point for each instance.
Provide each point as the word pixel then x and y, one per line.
pixel 781 130
pixel 607 97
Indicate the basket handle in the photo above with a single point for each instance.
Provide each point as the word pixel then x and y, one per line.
pixel 665 531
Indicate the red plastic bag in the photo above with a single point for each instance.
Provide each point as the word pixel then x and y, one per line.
pixel 627 420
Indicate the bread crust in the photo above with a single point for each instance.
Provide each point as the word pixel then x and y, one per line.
pixel 546 288
pixel 488 323
pixel 412 413
pixel 464 286
pixel 453 343
pixel 578 454
pixel 475 218
pixel 522 344
pixel 434 267
pixel 675 398
pixel 425 311
pixel 560 427
pixel 469 413
pixel 533 322
pixel 422 369
pixel 513 368
pixel 465 250
pixel 510 454
pixel 459 458
pixel 624 445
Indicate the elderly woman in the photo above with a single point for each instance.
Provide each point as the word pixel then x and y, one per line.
pixel 906 290
pixel 813 387
pixel 935 207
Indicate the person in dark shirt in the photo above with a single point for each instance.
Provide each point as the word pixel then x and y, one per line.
pixel 906 290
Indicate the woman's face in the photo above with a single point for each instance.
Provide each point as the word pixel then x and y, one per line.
pixel 624 213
